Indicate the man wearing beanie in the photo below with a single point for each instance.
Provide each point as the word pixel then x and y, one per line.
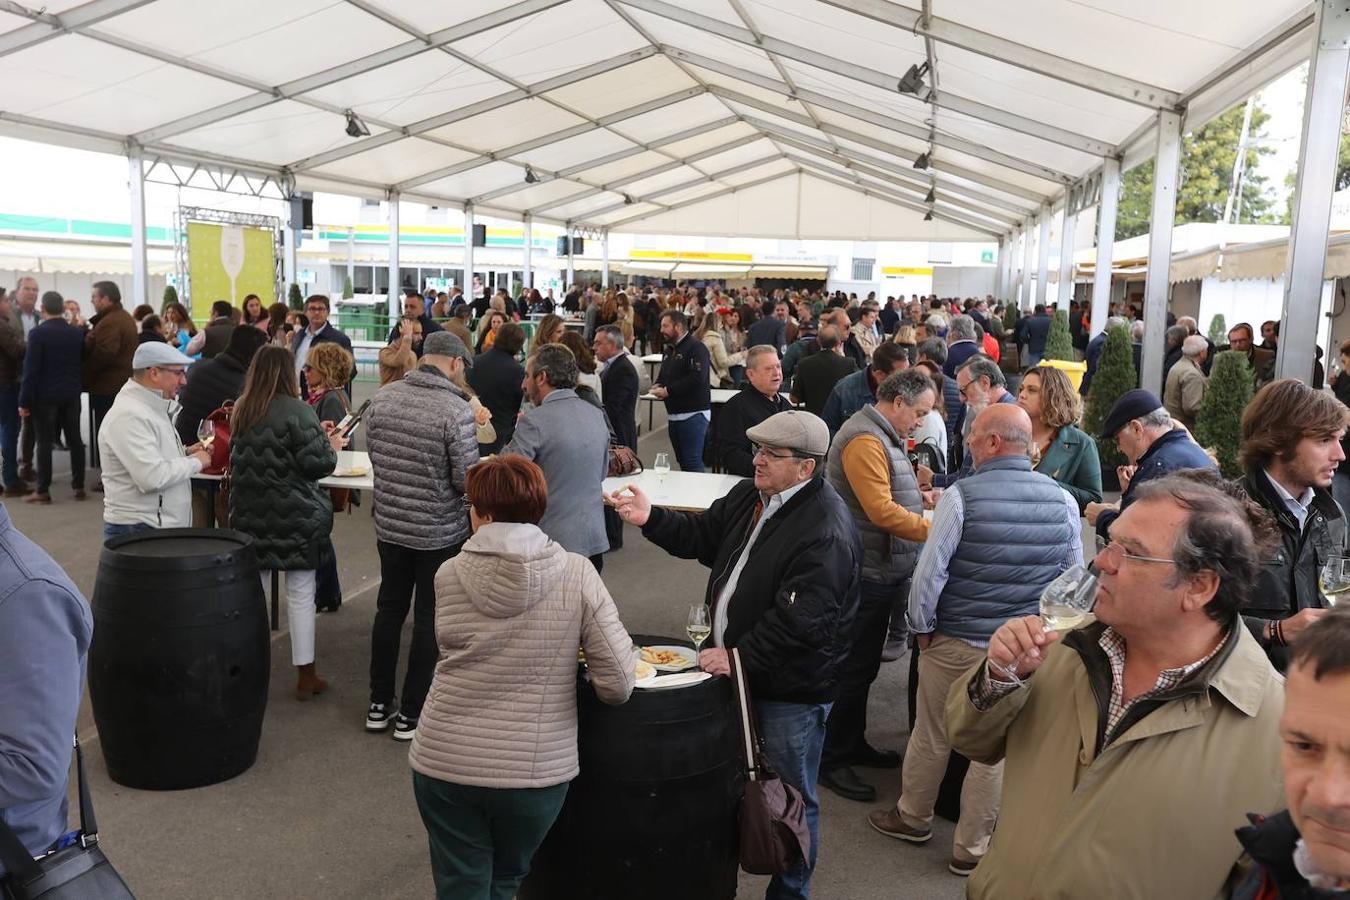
pixel 147 474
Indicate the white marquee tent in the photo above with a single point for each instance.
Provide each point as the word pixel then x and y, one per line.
pixel 776 118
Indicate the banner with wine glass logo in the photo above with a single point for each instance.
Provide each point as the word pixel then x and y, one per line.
pixel 229 262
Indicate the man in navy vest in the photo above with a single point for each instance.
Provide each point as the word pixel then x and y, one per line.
pixel 998 537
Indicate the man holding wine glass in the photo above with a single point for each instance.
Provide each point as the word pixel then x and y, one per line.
pixel 1132 745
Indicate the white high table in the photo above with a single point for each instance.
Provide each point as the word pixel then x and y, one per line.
pixel 719 396
pixel 687 491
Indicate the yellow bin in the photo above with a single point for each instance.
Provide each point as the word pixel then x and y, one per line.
pixel 1075 370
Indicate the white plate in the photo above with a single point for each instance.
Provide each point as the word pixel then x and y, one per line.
pixel 683 679
pixel 690 660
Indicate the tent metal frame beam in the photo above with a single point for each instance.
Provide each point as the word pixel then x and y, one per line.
pixel 295 88
pixel 686 185
pixel 46 26
pixel 619 223
pixel 944 100
pixel 868 190
pixel 954 34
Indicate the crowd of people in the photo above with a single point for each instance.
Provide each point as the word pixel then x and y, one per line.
pixel 904 494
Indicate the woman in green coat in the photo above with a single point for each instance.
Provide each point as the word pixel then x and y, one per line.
pixel 278 452
pixel 1061 450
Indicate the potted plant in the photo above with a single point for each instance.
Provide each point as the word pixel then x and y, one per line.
pixel 1218 428
pixel 170 296
pixel 1059 350
pixel 1218 330
pixel 296 300
pixel 347 292
pixel 1114 376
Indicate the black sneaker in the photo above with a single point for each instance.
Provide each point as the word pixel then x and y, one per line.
pixel 380 715
pixel 404 728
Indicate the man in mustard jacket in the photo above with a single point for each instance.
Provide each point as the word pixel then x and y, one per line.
pixel 1132 746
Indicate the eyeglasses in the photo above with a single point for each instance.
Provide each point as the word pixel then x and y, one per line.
pixel 176 373
pixel 1116 552
pixel 760 450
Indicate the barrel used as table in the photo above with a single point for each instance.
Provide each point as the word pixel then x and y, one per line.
pixel 653 812
pixel 180 659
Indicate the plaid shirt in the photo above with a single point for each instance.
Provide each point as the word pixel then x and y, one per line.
pixel 986 690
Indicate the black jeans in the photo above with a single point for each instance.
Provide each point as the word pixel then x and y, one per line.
pixel 403 573
pixel 846 729
pixel 99 404
pixel 49 418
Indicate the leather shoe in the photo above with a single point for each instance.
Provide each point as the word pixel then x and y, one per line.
pixel 846 783
pixel 873 758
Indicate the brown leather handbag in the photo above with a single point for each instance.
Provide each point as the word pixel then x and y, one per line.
pixel 772 816
pixel 623 461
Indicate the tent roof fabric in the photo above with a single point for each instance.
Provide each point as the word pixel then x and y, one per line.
pixel 773 118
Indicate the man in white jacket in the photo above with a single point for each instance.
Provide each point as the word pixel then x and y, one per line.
pixel 147 474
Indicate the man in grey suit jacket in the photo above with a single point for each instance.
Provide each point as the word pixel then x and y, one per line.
pixel 568 438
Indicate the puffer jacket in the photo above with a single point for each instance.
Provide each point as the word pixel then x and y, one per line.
pixel 511 610
pixel 421 436
pixel 274 494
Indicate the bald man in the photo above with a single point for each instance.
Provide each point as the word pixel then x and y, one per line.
pixel 998 537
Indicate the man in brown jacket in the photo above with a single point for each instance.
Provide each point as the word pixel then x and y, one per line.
pixel 108 350
pixel 1133 747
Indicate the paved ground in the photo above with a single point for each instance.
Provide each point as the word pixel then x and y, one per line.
pixel 327 811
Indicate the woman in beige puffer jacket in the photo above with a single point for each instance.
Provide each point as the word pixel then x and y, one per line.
pixel 496 744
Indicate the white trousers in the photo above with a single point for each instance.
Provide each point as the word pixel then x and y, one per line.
pixel 300 585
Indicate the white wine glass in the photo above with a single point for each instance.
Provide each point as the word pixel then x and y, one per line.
pixel 698 626
pixel 661 465
pixel 1334 578
pixel 1064 604
pixel 206 432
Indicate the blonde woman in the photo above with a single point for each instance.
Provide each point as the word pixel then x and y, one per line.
pixel 1060 449
pixel 710 333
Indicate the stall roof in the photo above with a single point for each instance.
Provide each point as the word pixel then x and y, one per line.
pixel 742 117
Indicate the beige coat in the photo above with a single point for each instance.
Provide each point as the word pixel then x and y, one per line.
pixel 511 610
pixel 1152 817
pixel 1185 392
pixel 719 373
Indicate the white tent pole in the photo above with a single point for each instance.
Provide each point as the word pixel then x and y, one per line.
pixel 1322 116
pixel 290 266
pixel 529 252
pixel 468 254
pixel 1106 240
pixel 1069 224
pixel 1157 281
pixel 140 269
pixel 395 304
pixel 998 268
pixel 1009 251
pixel 1028 248
pixel 1043 257
pixel 604 258
pixel 571 272
pixel 351 256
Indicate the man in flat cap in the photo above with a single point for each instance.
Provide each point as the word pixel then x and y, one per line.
pixel 147 473
pixel 785 559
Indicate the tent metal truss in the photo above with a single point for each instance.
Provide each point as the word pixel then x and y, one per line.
pixel 184 215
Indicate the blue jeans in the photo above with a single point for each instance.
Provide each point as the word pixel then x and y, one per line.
pixel 111 531
pixel 793 735
pixel 686 437
pixel 9 433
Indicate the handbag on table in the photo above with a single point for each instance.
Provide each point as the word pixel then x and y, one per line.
pixel 79 871
pixel 774 835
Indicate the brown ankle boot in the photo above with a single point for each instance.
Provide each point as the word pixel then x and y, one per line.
pixel 309 682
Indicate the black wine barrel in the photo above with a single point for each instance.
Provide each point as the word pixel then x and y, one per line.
pixel 180 659
pixel 653 812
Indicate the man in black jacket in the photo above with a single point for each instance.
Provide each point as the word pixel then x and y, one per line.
pixel 683 384
pixel 213 381
pixel 497 379
pixel 414 307
pixel 785 559
pixel 320 331
pixel 1291 445
pixel 816 376
pixel 618 383
pixel 758 400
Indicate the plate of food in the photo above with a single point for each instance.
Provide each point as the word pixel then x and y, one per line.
pixel 668 657
pixel 350 472
pixel 646 674
pixel 681 679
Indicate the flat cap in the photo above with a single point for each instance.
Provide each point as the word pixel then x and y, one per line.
pixel 155 353
pixel 794 429
pixel 445 343
pixel 1130 406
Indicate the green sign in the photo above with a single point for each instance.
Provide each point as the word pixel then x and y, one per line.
pixel 986 256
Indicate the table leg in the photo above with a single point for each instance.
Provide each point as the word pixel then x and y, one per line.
pixel 276 608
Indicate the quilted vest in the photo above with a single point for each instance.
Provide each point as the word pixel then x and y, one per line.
pixel 1015 539
pixel 886 559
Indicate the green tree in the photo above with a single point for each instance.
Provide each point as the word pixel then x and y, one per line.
pixel 1218 428
pixel 296 299
pixel 1206 177
pixel 170 296
pixel 1010 316
pixel 347 292
pixel 1218 329
pixel 1114 376
pixel 1058 343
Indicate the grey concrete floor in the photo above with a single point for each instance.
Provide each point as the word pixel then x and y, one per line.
pixel 327 810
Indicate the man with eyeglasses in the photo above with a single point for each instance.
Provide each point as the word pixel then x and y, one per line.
pixel 998 537
pixel 319 331
pixel 147 473
pixel 785 559
pixel 981 384
pixel 1133 745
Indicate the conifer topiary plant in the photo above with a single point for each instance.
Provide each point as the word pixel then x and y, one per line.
pixel 170 296
pixel 347 292
pixel 1058 343
pixel 1010 316
pixel 1218 329
pixel 296 300
pixel 1114 376
pixel 1218 428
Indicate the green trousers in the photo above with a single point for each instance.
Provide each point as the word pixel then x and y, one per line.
pixel 483 839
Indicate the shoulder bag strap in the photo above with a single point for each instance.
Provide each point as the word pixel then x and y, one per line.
pixel 749 740
pixel 18 861
pixel 88 822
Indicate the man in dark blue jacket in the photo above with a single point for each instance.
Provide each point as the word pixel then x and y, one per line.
pixel 1032 333
pixel 414 307
pixel 683 384
pixel 320 331
pixel 1143 430
pixel 50 393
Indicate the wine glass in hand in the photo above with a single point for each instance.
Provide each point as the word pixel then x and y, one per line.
pixel 206 432
pixel 698 626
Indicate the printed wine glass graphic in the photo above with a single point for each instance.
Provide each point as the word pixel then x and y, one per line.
pixel 232 256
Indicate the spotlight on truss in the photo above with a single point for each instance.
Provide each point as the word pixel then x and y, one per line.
pixel 922 161
pixel 530 177
pixel 355 127
pixel 627 200
pixel 932 195
pixel 928 216
pixel 912 81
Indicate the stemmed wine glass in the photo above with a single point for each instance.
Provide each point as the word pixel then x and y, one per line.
pixel 206 432
pixel 661 465
pixel 1065 603
pixel 698 626
pixel 1335 578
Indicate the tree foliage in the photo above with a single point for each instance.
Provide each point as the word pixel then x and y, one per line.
pixel 295 299
pixel 1058 343
pixel 170 296
pixel 347 292
pixel 1010 316
pixel 1219 425
pixel 1206 177
pixel 1218 329
pixel 1114 376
